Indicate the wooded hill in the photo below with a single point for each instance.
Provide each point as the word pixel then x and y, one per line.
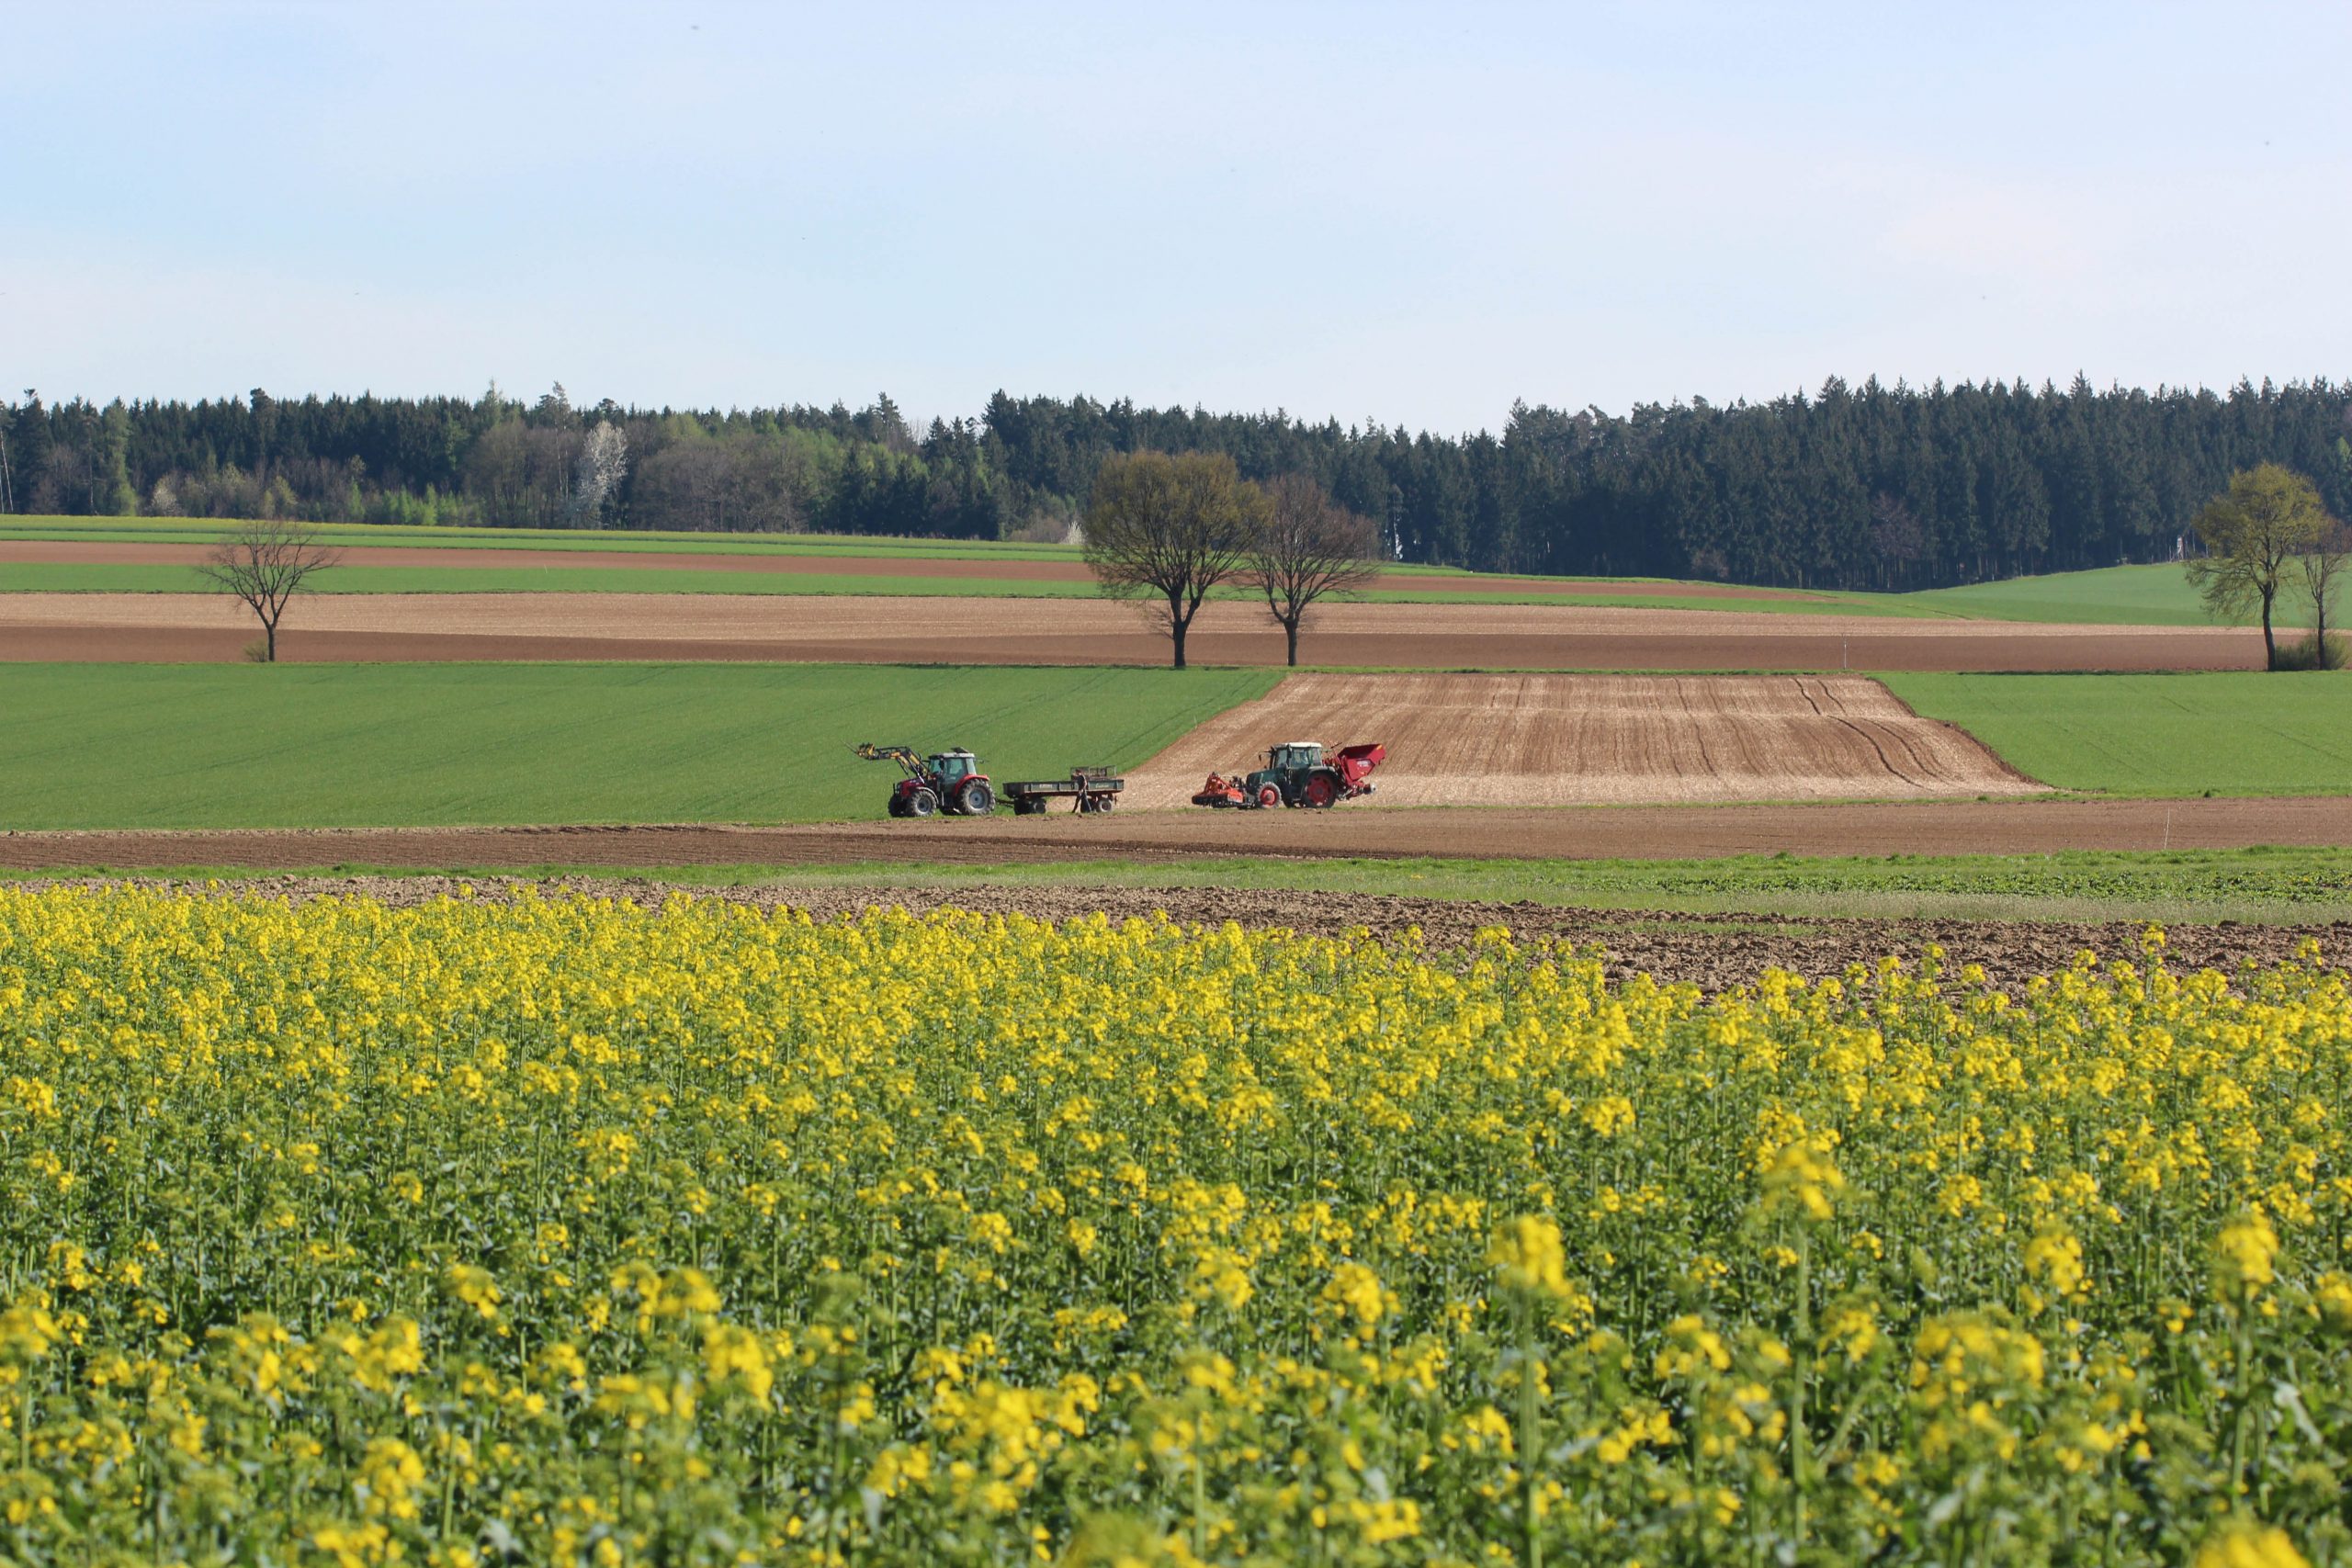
pixel 1854 486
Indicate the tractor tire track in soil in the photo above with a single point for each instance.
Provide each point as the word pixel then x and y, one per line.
pixel 880 630
pixel 1714 951
pixel 1597 739
pixel 2029 826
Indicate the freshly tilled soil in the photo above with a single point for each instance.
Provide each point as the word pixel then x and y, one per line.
pixel 878 629
pixel 1597 739
pixel 2028 826
pixel 1714 952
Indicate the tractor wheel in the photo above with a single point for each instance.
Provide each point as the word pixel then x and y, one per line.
pixel 1269 796
pixel 977 800
pixel 923 803
pixel 898 805
pixel 1321 791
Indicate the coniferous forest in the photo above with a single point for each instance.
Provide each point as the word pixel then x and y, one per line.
pixel 1865 486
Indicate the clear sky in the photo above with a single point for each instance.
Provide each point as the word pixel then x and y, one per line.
pixel 1413 214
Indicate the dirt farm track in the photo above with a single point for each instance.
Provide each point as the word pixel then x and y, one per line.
pixel 187 627
pixel 1926 828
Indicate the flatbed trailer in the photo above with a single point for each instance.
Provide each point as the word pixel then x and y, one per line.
pixel 1086 789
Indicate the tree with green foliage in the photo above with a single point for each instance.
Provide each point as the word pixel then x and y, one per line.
pixel 1167 530
pixel 2254 534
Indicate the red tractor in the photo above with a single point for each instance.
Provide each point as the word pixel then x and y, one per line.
pixel 944 780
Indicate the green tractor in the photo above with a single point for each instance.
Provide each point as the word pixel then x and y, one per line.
pixel 1298 774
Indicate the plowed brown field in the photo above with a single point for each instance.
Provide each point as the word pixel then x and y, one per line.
pixel 1597 739
pixel 2032 826
pixel 192 627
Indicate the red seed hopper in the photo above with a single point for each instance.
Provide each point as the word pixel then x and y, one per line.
pixel 1298 772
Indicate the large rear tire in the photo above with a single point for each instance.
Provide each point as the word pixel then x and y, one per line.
pixel 923 803
pixel 977 800
pixel 1320 791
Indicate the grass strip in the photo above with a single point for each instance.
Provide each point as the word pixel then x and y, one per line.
pixel 2240 732
pixel 389 745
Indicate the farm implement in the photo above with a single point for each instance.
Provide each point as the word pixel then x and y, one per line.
pixel 951 781
pixel 1297 773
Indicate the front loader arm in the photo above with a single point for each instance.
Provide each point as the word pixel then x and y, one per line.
pixel 908 759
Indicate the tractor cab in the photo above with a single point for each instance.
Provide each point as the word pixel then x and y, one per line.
pixel 1295 756
pixel 951 768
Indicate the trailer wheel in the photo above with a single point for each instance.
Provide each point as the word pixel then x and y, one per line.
pixel 978 799
pixel 923 803
pixel 1269 796
pixel 1105 802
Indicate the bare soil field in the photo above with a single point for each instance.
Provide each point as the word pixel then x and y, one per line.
pixel 99 552
pixel 1714 951
pixel 194 627
pixel 2030 825
pixel 1597 739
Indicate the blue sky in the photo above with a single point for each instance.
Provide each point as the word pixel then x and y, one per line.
pixel 1412 214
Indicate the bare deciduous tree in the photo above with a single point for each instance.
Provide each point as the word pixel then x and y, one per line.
pixel 265 564
pixel 1168 529
pixel 1306 546
pixel 2323 574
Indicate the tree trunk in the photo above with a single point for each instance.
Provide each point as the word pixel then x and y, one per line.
pixel 1176 630
pixel 269 632
pixel 2270 638
pixel 1291 627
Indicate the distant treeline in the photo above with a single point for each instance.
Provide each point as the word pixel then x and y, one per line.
pixel 1858 487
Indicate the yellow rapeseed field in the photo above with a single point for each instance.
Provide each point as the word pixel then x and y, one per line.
pixel 573 1231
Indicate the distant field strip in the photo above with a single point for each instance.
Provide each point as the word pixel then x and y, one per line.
pixel 80 566
pixel 2228 732
pixel 114 554
pixel 226 746
pixel 905 629
pixel 1596 740
pixel 208 531
pixel 2115 595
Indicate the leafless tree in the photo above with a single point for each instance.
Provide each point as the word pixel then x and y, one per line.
pixel 1308 545
pixel 265 564
pixel 2323 574
pixel 604 462
pixel 1167 530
